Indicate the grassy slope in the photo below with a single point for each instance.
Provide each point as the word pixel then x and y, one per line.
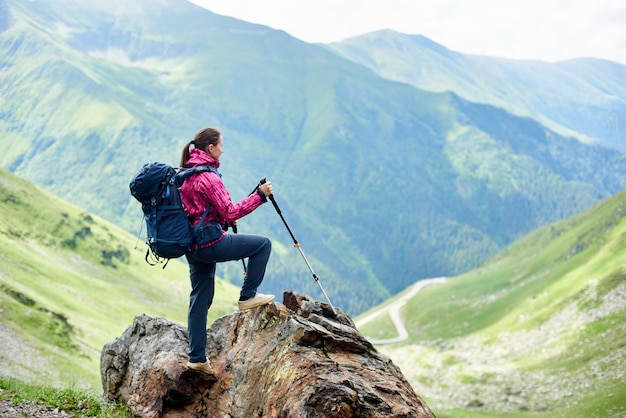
pixel 70 282
pixel 541 325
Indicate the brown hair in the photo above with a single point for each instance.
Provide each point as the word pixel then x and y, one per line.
pixel 203 138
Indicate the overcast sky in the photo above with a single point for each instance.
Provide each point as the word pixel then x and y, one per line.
pixel 548 30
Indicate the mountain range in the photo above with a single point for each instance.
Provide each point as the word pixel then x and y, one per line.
pixel 392 158
pixel 583 98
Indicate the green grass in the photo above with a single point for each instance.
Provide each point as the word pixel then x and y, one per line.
pixel 77 402
pixel 608 403
pixel 464 413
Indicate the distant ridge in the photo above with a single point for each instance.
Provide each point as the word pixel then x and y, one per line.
pixel 584 97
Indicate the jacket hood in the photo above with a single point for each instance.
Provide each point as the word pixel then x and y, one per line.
pixel 199 157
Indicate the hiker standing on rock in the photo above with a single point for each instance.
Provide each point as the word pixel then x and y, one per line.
pixel 197 192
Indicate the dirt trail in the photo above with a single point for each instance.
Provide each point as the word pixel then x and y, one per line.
pixel 394 312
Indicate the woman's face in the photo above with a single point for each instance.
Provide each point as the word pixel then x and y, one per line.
pixel 215 151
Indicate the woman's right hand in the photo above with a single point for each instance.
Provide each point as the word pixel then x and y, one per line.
pixel 266 188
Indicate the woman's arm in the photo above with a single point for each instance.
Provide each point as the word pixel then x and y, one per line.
pixel 216 193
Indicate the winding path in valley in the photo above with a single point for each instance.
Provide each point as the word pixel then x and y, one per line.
pixel 394 312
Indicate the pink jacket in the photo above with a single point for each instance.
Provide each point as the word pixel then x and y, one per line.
pixel 203 189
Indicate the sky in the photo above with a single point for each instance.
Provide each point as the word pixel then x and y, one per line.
pixel 546 30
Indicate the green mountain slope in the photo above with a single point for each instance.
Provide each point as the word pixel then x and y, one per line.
pixel 70 282
pixel 381 182
pixel 582 97
pixel 539 329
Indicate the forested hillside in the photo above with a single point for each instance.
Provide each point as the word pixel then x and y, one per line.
pixel 382 183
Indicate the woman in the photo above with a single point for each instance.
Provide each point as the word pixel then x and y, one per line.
pixel 197 192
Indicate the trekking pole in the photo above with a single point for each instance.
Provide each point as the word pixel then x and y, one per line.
pixel 245 270
pixel 297 245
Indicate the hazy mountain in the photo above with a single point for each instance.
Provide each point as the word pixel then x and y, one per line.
pixel 581 97
pixel 382 183
pixel 71 282
pixel 538 330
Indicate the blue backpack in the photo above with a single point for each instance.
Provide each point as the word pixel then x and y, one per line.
pixel 169 232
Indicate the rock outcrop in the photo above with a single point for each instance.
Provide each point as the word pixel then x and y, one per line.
pixel 280 360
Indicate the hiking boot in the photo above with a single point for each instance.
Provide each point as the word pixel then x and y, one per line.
pixel 201 367
pixel 258 300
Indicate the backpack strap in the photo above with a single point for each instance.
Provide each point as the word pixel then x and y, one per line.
pixel 183 173
pixel 199 224
pixel 180 179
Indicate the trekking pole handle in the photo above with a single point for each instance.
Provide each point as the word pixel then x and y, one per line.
pixel 280 213
pixel 271 196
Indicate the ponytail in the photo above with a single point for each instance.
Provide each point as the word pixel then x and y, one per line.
pixel 203 138
pixel 184 157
